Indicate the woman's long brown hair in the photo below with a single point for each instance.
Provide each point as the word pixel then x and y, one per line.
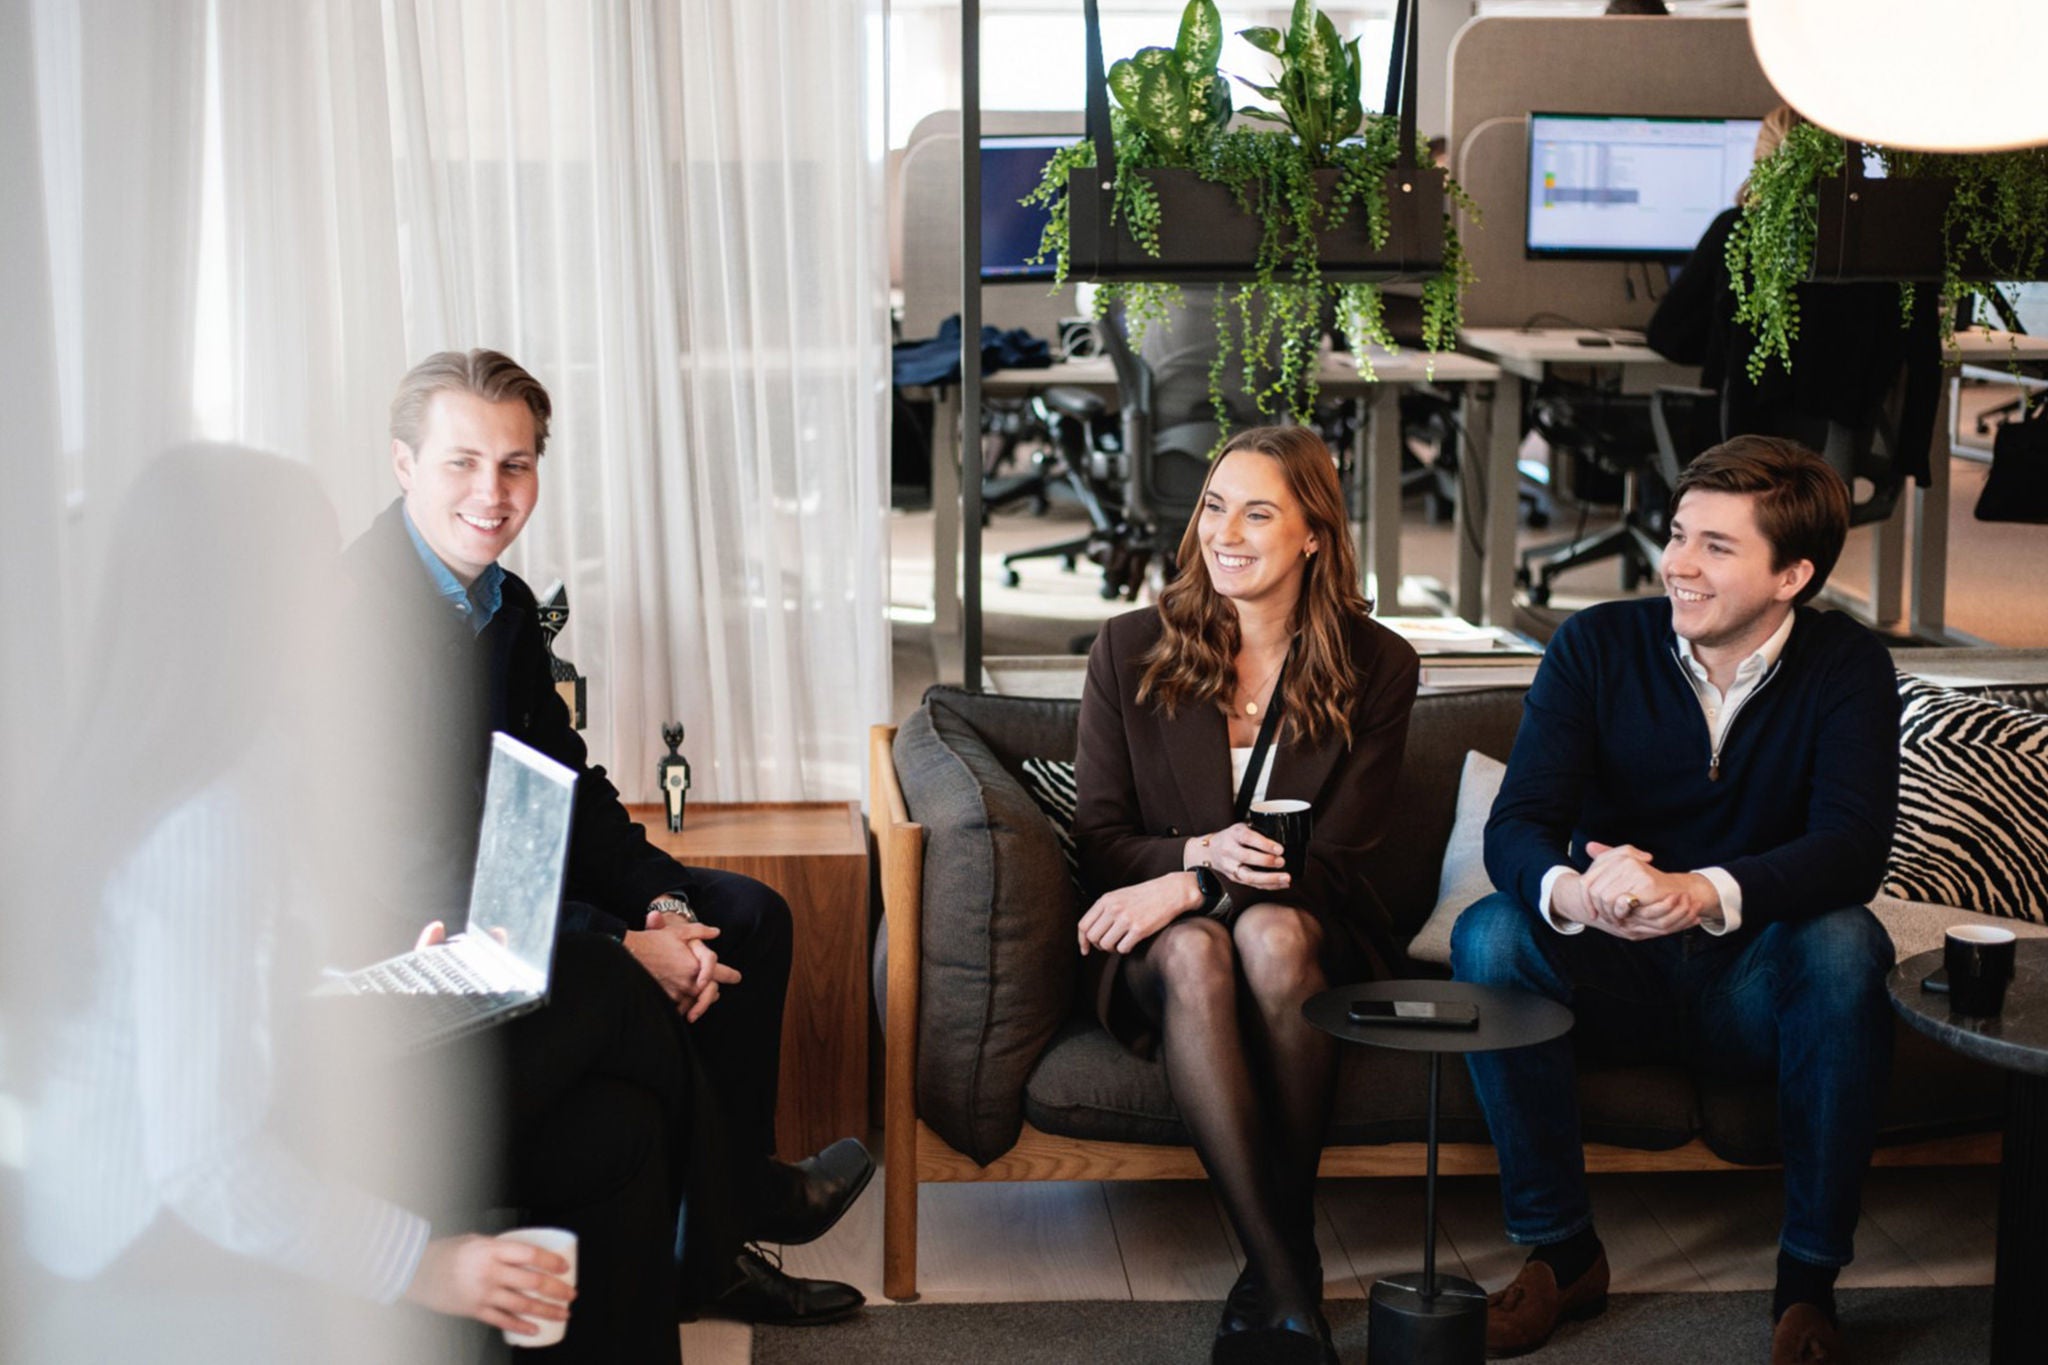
pixel 1194 661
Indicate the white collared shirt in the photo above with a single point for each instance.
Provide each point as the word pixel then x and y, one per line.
pixel 1719 709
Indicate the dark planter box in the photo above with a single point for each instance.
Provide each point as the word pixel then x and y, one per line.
pixel 1205 237
pixel 1888 230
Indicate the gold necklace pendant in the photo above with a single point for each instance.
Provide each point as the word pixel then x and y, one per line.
pixel 1251 708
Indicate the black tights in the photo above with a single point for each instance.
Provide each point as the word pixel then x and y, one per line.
pixel 1251 1077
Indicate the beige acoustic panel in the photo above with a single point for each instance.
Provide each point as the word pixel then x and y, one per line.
pixel 1504 67
pixel 928 182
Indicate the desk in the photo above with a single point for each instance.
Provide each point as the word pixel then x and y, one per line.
pixel 1928 613
pixel 1376 467
pixel 1528 356
pixel 816 854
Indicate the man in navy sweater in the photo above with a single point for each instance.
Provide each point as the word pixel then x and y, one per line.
pixel 1707 783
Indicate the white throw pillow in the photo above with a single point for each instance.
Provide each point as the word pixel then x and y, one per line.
pixel 1464 878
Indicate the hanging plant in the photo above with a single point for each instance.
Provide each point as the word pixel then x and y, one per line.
pixel 1994 226
pixel 1325 164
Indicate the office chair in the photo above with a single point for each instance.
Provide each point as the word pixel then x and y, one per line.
pixel 1143 474
pixel 1087 458
pixel 1608 444
pixel 1874 425
pixel 1870 451
pixel 1166 445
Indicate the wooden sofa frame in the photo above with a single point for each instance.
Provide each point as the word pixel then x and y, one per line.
pixel 912 1153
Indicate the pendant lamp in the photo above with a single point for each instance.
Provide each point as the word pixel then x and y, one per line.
pixel 1926 75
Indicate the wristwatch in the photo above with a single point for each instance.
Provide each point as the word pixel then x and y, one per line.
pixel 1210 885
pixel 675 905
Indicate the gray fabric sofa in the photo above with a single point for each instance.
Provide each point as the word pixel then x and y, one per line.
pixel 997 1070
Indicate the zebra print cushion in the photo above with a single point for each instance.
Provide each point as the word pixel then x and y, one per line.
pixel 1051 784
pixel 1973 804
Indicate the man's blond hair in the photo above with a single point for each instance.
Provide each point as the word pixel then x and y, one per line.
pixel 491 375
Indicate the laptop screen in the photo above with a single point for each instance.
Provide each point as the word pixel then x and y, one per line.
pixel 522 848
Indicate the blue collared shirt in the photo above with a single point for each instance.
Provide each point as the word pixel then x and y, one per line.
pixel 478 602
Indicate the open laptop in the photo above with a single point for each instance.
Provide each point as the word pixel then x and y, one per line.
pixel 498 966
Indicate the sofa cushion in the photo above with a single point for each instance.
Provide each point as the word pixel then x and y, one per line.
pixel 1918 926
pixel 1934 1092
pixel 1088 1086
pixel 1402 866
pixel 998 970
pixel 1463 879
pixel 1973 827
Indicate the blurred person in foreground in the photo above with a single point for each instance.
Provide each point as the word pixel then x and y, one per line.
pixel 225 1175
pixel 459 641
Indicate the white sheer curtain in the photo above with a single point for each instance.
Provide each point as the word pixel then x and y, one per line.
pixel 119 96
pixel 670 212
pixel 312 327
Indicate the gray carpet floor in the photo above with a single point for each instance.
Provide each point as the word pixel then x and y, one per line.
pixel 1884 1326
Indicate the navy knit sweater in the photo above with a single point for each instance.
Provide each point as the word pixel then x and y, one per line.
pixel 1614 748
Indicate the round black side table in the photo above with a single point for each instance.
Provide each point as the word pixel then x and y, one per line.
pixel 1432 1319
pixel 2015 1039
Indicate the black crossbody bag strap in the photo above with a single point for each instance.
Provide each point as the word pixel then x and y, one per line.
pixel 1267 729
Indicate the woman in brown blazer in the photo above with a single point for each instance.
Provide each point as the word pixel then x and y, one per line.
pixel 1200 944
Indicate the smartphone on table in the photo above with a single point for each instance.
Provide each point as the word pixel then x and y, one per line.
pixel 1418 1013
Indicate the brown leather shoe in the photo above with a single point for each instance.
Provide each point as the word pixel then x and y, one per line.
pixel 1522 1316
pixel 1804 1336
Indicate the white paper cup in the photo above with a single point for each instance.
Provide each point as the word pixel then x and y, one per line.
pixel 562 1242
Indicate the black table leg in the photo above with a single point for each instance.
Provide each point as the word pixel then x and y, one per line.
pixel 2019 1305
pixel 1427 1319
pixel 1436 1070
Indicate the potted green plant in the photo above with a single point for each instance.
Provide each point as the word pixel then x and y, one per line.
pixel 1812 213
pixel 1307 217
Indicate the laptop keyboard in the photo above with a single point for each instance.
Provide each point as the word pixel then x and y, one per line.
pixel 423 973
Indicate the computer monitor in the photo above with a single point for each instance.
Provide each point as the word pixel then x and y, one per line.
pixel 1011 167
pixel 1629 187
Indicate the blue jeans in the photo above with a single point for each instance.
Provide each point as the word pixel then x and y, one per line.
pixel 1800 1000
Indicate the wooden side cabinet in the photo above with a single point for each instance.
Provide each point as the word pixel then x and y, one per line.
pixel 816 855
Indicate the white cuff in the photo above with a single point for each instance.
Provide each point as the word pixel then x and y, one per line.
pixel 1563 926
pixel 1730 892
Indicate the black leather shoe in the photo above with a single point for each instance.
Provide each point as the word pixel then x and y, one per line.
pixel 764 1294
pixel 804 1200
pixel 1246 1305
pixel 1273 1346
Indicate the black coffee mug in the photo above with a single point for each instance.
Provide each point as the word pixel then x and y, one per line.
pixel 1979 958
pixel 1290 823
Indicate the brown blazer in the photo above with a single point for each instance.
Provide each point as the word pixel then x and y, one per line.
pixel 1146 784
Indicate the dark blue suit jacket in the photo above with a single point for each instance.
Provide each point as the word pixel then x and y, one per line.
pixel 437 690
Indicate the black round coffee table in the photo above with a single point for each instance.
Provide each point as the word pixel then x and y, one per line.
pixel 1432 1319
pixel 2016 1039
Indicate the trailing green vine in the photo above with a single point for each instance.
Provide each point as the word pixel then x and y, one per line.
pixel 1172 110
pixel 1998 216
pixel 1771 249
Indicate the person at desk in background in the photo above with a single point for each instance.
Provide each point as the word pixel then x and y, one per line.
pixel 1710 782
pixel 1846 358
pixel 468 430
pixel 1259 675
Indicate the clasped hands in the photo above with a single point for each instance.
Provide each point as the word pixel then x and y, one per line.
pixel 1624 894
pixel 677 953
pixel 1127 916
